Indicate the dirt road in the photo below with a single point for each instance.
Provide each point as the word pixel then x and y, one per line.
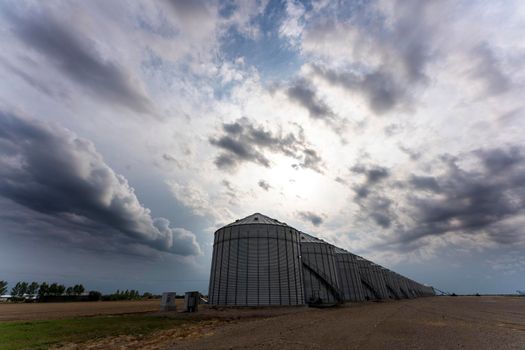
pixel 426 323
pixel 48 311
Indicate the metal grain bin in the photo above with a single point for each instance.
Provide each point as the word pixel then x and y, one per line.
pixel 256 261
pixel 368 279
pixel 348 273
pixel 321 283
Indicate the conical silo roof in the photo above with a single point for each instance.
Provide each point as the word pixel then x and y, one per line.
pixel 257 218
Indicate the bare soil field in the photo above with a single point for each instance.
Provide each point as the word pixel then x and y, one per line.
pixel 50 311
pixel 426 323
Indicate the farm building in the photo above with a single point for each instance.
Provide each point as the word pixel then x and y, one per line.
pixel 260 261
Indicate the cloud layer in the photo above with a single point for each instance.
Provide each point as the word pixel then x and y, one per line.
pixel 50 170
pixel 484 199
pixel 77 58
pixel 244 141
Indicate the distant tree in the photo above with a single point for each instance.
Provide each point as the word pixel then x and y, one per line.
pixel 3 287
pixel 19 289
pixel 78 289
pixel 69 291
pixel 61 289
pixel 15 290
pixel 94 295
pixel 44 289
pixel 32 288
pixel 147 295
pixel 53 289
pixel 24 286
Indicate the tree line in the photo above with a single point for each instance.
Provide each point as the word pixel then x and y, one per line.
pixel 22 289
pixel 58 292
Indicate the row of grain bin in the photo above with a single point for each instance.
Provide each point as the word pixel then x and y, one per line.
pixel 260 261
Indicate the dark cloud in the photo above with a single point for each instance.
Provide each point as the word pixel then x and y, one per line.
pixel 499 160
pixel 304 94
pixel 380 210
pixel 373 174
pixel 76 57
pixel 244 141
pixel 370 196
pixel 313 218
pixel 264 185
pixel 487 198
pixel 49 170
pixel 428 183
pixel 311 160
pixel 381 89
pixel 467 200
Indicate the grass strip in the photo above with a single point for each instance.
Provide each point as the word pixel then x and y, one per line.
pixel 40 335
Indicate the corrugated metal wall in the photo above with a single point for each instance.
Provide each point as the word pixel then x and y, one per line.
pixel 367 279
pixel 320 273
pixel 349 277
pixel 256 264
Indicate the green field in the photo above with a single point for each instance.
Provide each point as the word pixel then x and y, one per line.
pixel 43 334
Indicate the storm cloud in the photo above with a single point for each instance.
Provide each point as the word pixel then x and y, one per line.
pixel 470 200
pixel 51 171
pixel 76 57
pixel 244 141
pixel 485 199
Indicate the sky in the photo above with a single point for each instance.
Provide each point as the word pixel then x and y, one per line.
pixel 131 131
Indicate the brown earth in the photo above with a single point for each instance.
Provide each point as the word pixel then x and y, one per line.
pixel 426 323
pixel 48 311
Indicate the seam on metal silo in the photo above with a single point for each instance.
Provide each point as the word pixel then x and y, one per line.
pixel 237 267
pixel 317 267
pixel 278 266
pixel 228 266
pixel 294 243
pixel 247 265
pixel 220 268
pixel 331 268
pixel 269 270
pixel 347 270
pixel 287 266
pixel 258 266
pixel 343 275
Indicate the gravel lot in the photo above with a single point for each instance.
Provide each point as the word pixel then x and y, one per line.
pixel 427 323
